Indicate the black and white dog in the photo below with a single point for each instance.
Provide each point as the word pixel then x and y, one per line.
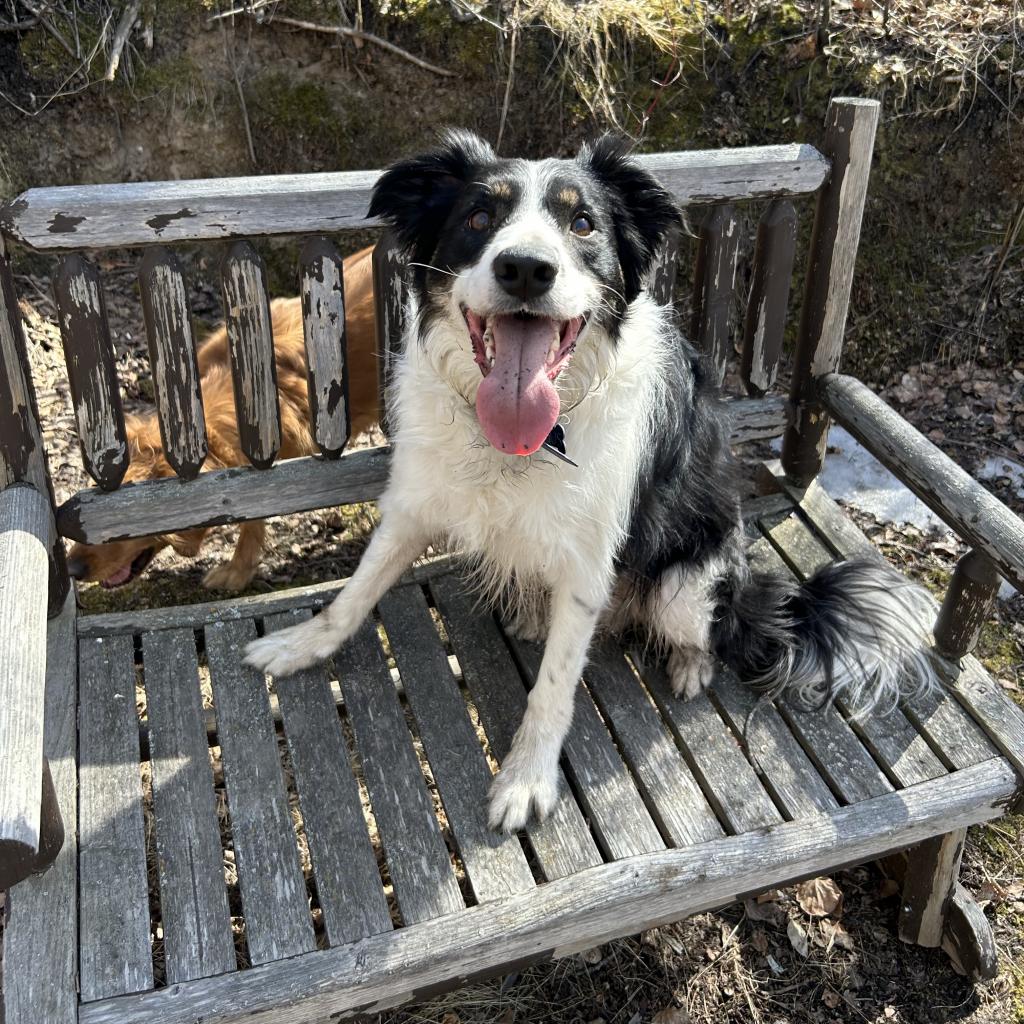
pixel 528 313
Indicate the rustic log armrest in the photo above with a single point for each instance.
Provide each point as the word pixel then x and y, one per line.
pixel 953 495
pixel 31 833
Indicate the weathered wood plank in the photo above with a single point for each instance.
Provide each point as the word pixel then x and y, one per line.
pixel 421 870
pixel 968 938
pixel 314 596
pixel 661 278
pixel 951 493
pixel 92 374
pixel 24 543
pixel 673 796
pixel 583 910
pixel 251 346
pixel 193 898
pixel 144 213
pixel 932 871
pixel 783 767
pixel 22 455
pixel 389 296
pixel 606 792
pixel 714 284
pixel 849 140
pixel 769 296
pixel 495 863
pixel 172 357
pixel 41 930
pixel 114 945
pixel 240 493
pixel 967 605
pixel 274 900
pixel 562 842
pixel 221 496
pixel 348 884
pixel 323 323
pixel 730 784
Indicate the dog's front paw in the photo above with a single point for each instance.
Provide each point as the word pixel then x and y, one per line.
pixel 691 671
pixel 292 649
pixel 228 577
pixel 517 792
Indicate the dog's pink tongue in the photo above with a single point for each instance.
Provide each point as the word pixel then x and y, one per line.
pixel 517 405
pixel 119 577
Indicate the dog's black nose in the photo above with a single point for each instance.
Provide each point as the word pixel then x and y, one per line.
pixel 524 275
pixel 77 569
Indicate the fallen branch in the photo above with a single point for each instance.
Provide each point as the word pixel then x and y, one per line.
pixel 369 37
pixel 121 33
pixel 19 26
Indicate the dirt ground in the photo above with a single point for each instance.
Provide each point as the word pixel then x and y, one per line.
pixel 778 960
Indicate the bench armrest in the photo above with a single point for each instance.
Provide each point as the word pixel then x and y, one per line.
pixel 953 495
pixel 27 839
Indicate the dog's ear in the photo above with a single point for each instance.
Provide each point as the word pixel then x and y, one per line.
pixel 415 196
pixel 645 211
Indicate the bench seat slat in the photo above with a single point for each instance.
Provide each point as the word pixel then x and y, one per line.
pixel 114 893
pixel 673 796
pixel 348 883
pixel 731 784
pixel 193 896
pixel 605 790
pixel 418 861
pixel 495 863
pixel 562 842
pixel 41 930
pixel 277 919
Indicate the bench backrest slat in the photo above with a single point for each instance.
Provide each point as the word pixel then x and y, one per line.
pixel 322 287
pixel 714 282
pixel 172 358
pixel 389 296
pixel 769 296
pixel 251 346
pixel 147 213
pixel 89 354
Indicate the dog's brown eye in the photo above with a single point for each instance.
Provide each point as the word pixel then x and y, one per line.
pixel 479 220
pixel 582 225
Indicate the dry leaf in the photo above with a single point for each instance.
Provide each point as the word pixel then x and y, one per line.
pixel 798 938
pixel 820 897
pixel 832 933
pixel 451 1018
pixel 774 964
pixel 831 998
pixel 593 956
pixel 759 940
pixel 508 1017
pixel 888 887
pixel 770 912
pixel 768 896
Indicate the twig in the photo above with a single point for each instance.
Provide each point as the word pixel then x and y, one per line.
pixel 121 33
pixel 369 37
pixel 247 8
pixel 39 10
pixel 229 53
pixel 19 26
pixel 511 76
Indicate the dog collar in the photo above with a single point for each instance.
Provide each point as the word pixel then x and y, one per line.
pixel 555 444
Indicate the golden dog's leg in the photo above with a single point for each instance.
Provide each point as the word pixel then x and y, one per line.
pixel 237 574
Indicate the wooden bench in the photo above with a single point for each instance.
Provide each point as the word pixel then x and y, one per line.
pixel 319 848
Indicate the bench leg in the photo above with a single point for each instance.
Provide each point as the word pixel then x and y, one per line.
pixel 936 909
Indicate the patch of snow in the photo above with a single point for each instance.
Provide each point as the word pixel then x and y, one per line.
pixel 854 476
pixel 993 468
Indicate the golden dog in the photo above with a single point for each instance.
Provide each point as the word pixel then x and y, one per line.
pixel 119 562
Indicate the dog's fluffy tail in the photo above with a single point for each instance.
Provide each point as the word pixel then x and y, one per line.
pixel 855 630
